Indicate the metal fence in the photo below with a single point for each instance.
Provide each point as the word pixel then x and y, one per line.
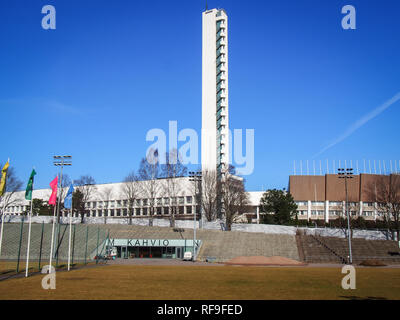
pixel 87 242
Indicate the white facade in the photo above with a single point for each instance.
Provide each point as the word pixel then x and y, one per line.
pixel 215 122
pixel 110 200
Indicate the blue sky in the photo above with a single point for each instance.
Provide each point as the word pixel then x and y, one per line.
pixel 111 71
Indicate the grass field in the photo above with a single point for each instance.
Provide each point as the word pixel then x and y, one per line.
pixel 198 282
pixel 10 267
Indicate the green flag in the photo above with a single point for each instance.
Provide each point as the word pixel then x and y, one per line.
pixel 29 187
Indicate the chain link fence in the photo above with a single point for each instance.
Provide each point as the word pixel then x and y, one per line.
pixel 87 242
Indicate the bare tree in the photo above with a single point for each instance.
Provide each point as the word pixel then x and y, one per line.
pixel 149 172
pixel 106 196
pixel 234 198
pixel 86 185
pixel 354 215
pixel 13 184
pixel 385 190
pixel 171 170
pixel 210 193
pixel 130 189
pixel 65 183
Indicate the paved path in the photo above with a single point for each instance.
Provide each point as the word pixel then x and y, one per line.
pixel 159 262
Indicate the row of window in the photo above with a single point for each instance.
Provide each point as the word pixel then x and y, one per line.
pixel 140 202
pixel 141 211
pixel 333 203
pixel 117 204
pixel 16 209
pixel 335 213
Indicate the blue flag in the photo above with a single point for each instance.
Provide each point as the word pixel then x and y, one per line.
pixel 68 198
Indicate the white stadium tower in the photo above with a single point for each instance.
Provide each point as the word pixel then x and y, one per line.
pixel 215 128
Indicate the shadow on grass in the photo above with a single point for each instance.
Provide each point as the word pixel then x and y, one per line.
pixel 7 271
pixel 361 298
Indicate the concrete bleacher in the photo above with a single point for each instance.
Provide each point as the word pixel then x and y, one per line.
pixel 11 241
pixel 316 249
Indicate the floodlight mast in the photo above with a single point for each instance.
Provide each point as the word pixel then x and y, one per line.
pixel 347 174
pixel 195 177
pixel 61 161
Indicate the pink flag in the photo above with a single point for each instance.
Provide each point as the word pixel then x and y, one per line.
pixel 53 197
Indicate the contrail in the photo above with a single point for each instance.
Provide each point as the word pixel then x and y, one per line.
pixel 359 123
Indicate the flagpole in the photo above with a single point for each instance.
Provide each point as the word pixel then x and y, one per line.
pixel 29 237
pixel 3 216
pixel 70 230
pixel 2 225
pixel 52 235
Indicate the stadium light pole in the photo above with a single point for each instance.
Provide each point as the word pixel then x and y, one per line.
pixel 195 177
pixel 61 161
pixel 347 174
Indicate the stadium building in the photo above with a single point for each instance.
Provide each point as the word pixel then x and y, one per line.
pixel 323 197
pixel 111 200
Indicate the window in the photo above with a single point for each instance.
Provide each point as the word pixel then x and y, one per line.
pixel 301 203
pixel 166 200
pixel 335 203
pixel 112 204
pixel 181 200
pixel 369 213
pixel 145 202
pixel 94 204
pixel 317 203
pixel 188 209
pixel 159 201
pixel 317 212
pixel 159 210
pixel 368 204
pixel 189 199
pixel 166 210
pixel 119 203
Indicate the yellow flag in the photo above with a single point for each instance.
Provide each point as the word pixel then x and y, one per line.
pixel 3 178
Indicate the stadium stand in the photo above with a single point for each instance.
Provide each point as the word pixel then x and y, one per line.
pixel 317 249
